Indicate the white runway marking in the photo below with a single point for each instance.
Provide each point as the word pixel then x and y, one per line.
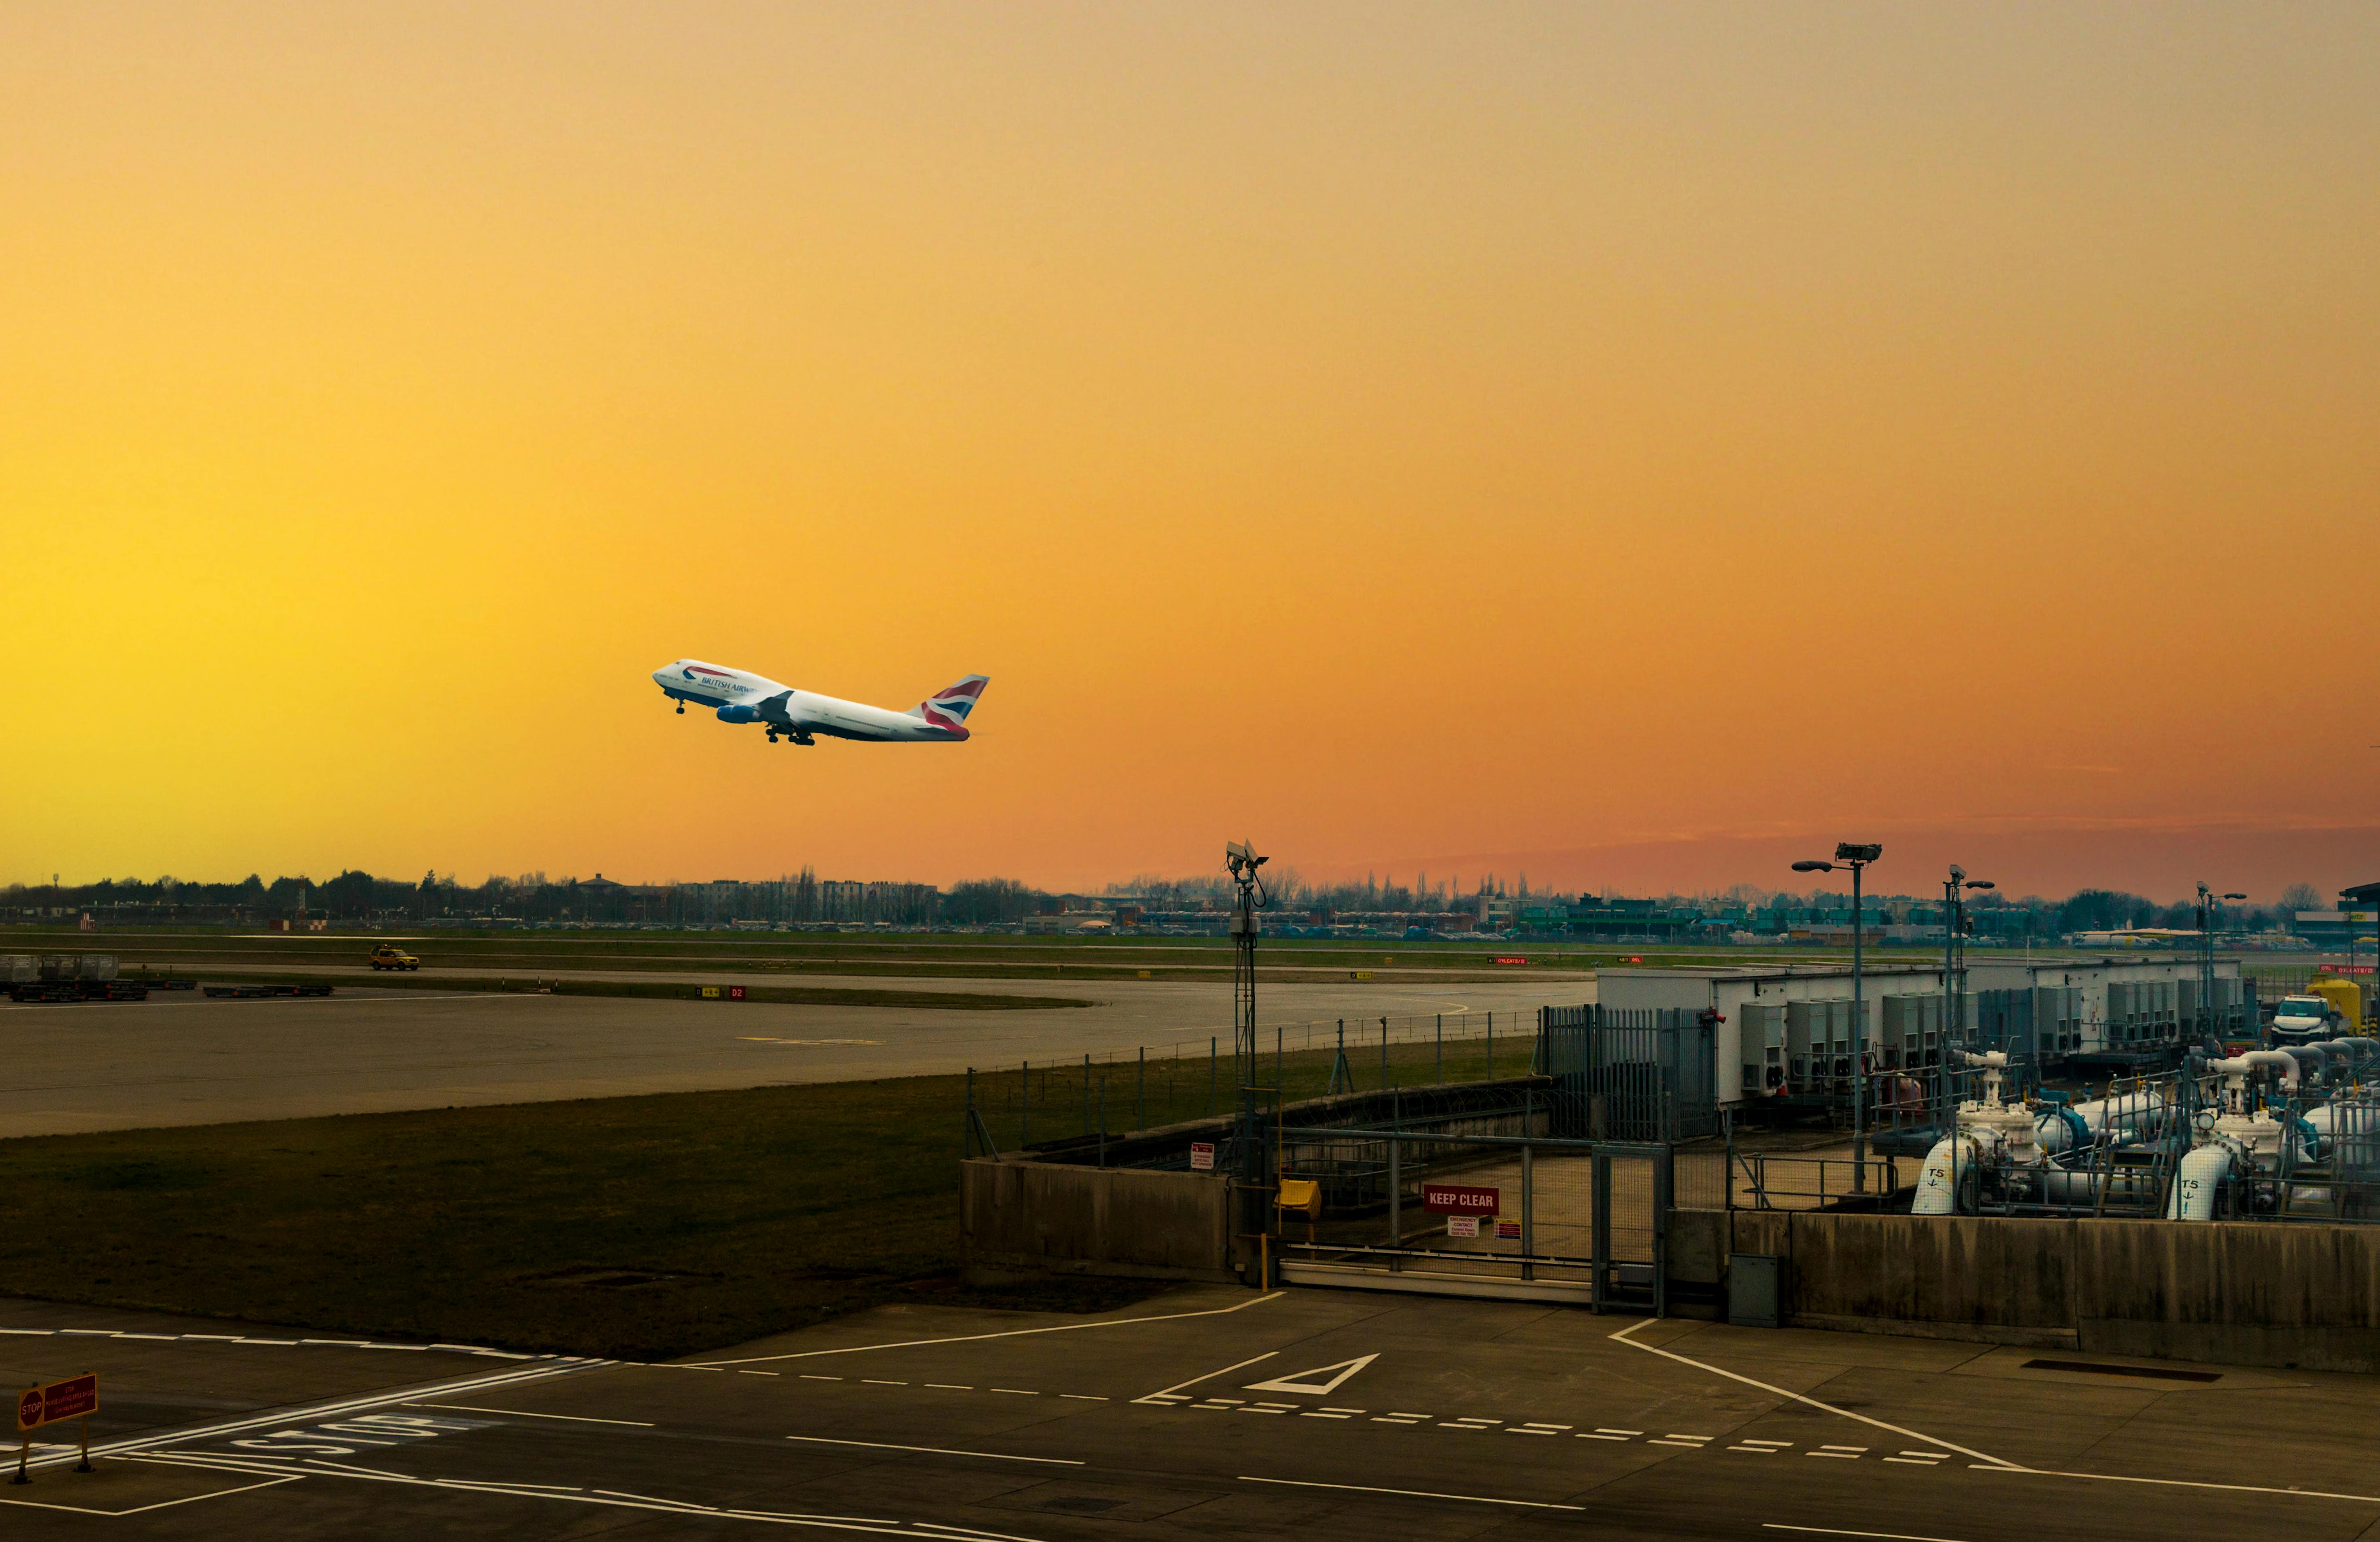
pixel 518 1413
pixel 1837 1530
pixel 602 1498
pixel 1167 1395
pixel 1011 1333
pixel 936 1451
pixel 1413 1493
pixel 158 1439
pixel 1622 1337
pixel 1317 1382
pixel 161 1504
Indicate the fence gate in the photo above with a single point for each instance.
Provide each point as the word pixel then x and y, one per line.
pixel 1461 1211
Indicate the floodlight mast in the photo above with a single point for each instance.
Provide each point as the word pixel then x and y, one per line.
pixel 1256 1184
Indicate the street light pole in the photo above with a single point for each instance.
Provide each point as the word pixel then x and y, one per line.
pixel 1859 1047
pixel 1856 856
pixel 2210 906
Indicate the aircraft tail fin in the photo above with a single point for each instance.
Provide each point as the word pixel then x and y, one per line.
pixel 949 707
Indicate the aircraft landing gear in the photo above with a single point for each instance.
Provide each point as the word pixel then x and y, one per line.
pixel 681 709
pixel 772 736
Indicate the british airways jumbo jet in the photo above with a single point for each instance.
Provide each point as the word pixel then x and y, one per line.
pixel 742 696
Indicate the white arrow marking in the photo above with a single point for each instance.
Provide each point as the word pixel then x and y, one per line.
pixel 1318 1382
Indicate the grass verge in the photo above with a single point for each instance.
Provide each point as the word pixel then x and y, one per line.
pixel 639 1228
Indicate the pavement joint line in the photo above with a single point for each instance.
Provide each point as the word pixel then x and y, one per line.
pixel 317 1412
pixel 937 1451
pixel 1622 1337
pixel 1411 1493
pixel 1008 1333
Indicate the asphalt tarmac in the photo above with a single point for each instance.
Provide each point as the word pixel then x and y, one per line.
pixel 180 1058
pixel 1312 1415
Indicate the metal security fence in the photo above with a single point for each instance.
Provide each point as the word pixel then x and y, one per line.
pixel 1632 1075
pixel 1112 1095
pixel 1473 1214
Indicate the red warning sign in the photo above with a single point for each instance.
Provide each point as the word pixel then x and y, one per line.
pixel 1453 1199
pixel 59 1399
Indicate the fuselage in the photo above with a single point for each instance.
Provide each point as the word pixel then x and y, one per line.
pixel 741 697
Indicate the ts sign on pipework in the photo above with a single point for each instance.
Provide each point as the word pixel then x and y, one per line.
pixel 1449 1199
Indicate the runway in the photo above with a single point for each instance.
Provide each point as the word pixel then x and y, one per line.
pixel 181 1059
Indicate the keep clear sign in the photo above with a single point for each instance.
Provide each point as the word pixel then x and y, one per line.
pixel 1202 1156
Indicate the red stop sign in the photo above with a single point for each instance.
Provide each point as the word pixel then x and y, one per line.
pixel 29 1408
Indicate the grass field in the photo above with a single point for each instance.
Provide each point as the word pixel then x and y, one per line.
pixel 797 995
pixel 633 1227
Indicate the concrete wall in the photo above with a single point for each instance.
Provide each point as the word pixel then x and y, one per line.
pixel 2243 1292
pixel 1022 1219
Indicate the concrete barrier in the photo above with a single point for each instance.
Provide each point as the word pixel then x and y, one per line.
pixel 1019 1219
pixel 2239 1292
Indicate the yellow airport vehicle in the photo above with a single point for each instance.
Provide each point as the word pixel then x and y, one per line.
pixel 2346 998
pixel 388 956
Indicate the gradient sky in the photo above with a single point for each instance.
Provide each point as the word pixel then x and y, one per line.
pixel 1633 443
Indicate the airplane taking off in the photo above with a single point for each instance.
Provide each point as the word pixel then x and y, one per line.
pixel 742 696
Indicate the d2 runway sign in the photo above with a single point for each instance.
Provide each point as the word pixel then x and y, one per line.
pixel 1457 1200
pixel 60 1399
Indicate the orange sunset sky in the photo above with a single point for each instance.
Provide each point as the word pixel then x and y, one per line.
pixel 1635 445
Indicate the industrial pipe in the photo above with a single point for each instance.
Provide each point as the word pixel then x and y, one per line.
pixel 2235 1070
pixel 1936 1195
pixel 2204 1167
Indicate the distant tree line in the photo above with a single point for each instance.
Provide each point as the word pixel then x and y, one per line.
pixel 354 896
